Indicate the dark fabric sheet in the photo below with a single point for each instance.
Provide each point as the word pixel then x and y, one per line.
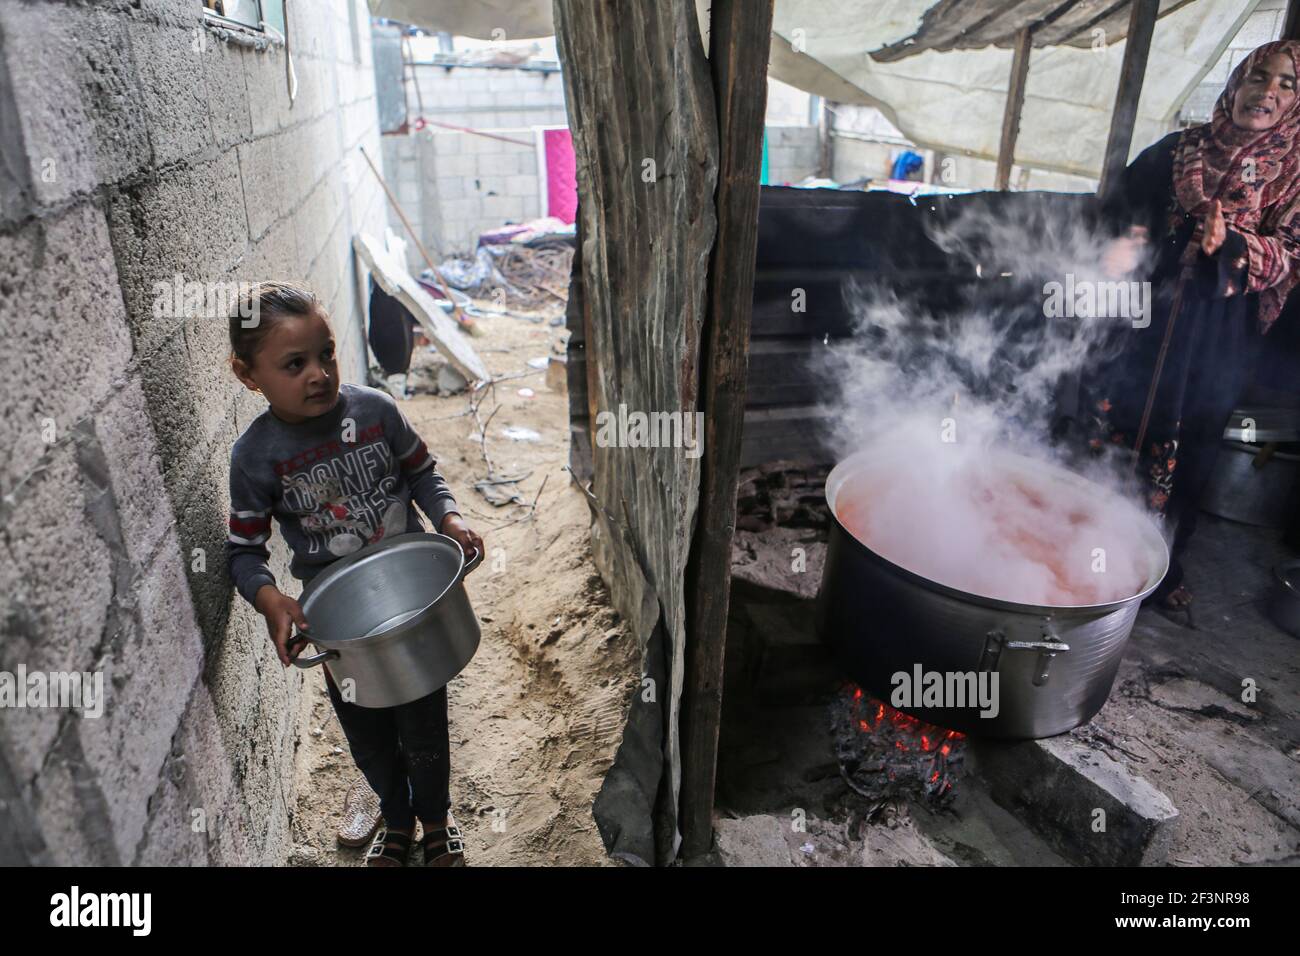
pixel 391 332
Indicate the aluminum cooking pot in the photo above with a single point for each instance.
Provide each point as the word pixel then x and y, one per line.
pixel 1251 484
pixel 1055 665
pixel 1284 605
pixel 392 621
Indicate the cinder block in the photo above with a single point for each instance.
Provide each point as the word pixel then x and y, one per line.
pixel 262 174
pixel 1059 785
pixel 273 256
pixel 461 208
pixel 67 340
pixel 196 777
pixel 312 33
pixel 315 220
pixel 152 674
pixel 228 104
pixel 126 436
pixel 76 95
pixel 179 13
pixel 521 186
pixel 456 166
pixel 53 553
pixel 268 92
pixel 497 166
pixel 503 208
pixel 190 222
pixel 170 74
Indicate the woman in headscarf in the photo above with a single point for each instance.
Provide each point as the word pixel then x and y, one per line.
pixel 1219 203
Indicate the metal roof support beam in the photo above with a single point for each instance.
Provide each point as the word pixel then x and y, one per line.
pixel 1015 103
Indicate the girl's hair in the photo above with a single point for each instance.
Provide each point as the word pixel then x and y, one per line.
pixel 257 310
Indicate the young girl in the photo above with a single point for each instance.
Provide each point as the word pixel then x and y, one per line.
pixel 339 467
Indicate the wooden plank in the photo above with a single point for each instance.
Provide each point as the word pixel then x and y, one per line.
pixel 391 276
pixel 739 34
pixel 641 111
pixel 796 431
pixel 1137 48
pixel 1015 103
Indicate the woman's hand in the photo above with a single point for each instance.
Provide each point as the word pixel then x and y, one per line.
pixel 282 613
pixel 453 526
pixel 1215 232
pixel 1122 256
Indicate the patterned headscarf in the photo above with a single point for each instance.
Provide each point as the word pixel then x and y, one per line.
pixel 1255 175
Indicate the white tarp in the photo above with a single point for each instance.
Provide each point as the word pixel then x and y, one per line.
pixel 949 101
pixel 954 101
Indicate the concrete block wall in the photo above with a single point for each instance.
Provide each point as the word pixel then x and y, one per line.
pixel 137 145
pixel 792 154
pixel 456 184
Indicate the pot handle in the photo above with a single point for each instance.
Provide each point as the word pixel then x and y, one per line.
pixel 996 642
pixel 1047 650
pixel 315 659
pixel 470 564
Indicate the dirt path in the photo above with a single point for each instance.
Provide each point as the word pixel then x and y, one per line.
pixel 537 715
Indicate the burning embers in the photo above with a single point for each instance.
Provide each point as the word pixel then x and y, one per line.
pixel 885 754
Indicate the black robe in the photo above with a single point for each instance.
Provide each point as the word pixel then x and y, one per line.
pixel 1212 351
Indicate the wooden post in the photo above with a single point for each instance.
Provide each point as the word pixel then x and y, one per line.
pixel 1015 102
pixel 825 165
pixel 1137 46
pixel 642 111
pixel 739 32
pixel 1291 28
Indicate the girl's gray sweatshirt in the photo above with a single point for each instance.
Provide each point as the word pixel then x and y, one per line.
pixel 334 483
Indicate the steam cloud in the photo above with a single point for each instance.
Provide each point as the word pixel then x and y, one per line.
pixel 938 398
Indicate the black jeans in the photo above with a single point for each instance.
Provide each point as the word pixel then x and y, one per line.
pixel 403 752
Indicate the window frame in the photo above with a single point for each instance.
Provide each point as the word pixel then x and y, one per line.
pixel 263 27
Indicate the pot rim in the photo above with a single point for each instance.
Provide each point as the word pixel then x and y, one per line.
pixel 1252 449
pixel 1150 535
pixel 338 567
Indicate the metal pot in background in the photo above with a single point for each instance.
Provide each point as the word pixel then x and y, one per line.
pixel 1284 605
pixel 1263 424
pixel 393 618
pixel 1252 484
pixel 1055 665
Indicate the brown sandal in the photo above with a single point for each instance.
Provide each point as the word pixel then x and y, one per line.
pixel 444 847
pixel 390 848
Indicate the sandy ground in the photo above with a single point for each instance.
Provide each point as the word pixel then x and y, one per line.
pixel 536 717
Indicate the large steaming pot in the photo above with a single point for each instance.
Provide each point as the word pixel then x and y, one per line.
pixel 1055 665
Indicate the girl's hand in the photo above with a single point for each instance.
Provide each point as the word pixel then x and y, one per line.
pixel 282 613
pixel 1215 232
pixel 453 526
